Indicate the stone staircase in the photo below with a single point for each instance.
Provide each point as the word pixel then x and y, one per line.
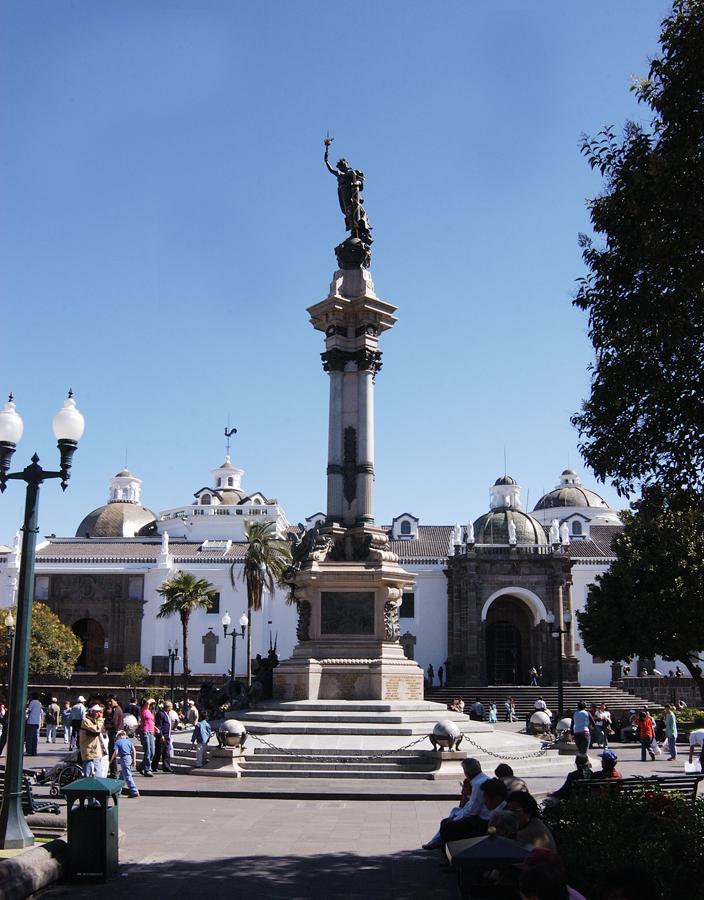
pixel 618 701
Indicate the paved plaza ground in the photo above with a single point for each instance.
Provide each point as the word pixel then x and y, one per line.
pixel 298 849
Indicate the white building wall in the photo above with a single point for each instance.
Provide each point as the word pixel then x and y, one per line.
pixel 429 625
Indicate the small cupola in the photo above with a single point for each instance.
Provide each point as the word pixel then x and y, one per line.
pixel 505 494
pixel 125 488
pixel 227 477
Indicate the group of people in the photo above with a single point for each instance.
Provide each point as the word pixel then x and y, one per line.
pixel 480 713
pixel 430 676
pixel 502 805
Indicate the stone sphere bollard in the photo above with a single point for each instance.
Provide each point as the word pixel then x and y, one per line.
pixel 540 723
pixel 130 724
pixel 233 733
pixel 446 735
pixel 563 730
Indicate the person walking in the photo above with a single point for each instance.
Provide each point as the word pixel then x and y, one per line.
pixel 493 716
pixel 147 730
pixel 510 710
pixel 32 725
pixel 163 738
pixel 645 734
pixel 441 675
pixel 202 732
pixel 78 712
pixel 51 720
pixel 431 675
pixel 124 755
pixel 533 675
pixel 670 722
pixel 66 721
pixel 580 727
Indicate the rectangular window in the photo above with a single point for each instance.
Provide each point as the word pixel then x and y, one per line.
pixel 135 587
pixel 41 588
pixel 215 608
pixel 408 606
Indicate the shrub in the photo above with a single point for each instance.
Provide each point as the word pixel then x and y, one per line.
pixel 135 675
pixel 657 832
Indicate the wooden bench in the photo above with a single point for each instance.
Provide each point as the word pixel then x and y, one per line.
pixel 687 785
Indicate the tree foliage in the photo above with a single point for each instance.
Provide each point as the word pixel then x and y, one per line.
pixel 651 600
pixel 54 648
pixel 644 291
pixel 135 675
pixel 267 558
pixel 184 593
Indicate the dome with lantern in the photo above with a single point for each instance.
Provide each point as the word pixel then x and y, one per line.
pixel 507 522
pixel 123 515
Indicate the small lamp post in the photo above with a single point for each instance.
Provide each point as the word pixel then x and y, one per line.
pixel 68 427
pixel 10 627
pixel 233 635
pixel 173 658
pixel 557 633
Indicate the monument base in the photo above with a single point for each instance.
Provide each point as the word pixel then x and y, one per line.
pixel 388 676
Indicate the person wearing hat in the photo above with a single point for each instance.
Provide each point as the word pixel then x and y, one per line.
pixel 89 743
pixel 78 713
pixel 608 772
pixel 192 715
pixel 51 720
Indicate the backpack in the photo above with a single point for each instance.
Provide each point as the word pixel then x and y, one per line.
pixel 50 716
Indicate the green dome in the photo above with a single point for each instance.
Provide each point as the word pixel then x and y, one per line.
pixel 492 528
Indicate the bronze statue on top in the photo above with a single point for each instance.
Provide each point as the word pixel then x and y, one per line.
pixel 355 252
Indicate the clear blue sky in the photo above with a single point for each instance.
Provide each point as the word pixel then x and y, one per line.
pixel 166 219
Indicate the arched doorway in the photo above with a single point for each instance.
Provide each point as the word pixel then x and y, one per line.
pixel 508 641
pixel 92 656
pixel 504 653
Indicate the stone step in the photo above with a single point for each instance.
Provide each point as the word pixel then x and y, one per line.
pixel 352 717
pixel 336 755
pixel 249 765
pixel 363 728
pixel 350 706
pixel 348 773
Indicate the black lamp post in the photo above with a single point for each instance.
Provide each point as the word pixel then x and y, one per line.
pixel 68 428
pixel 173 658
pixel 234 634
pixel 557 633
pixel 10 626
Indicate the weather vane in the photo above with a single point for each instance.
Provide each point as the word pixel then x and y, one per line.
pixel 228 434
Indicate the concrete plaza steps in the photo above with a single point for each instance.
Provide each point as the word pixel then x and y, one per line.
pixel 618 701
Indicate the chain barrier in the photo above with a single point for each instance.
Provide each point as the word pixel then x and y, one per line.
pixel 292 752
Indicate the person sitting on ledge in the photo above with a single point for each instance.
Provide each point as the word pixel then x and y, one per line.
pixel 532 831
pixel 470 799
pixel 505 773
pixel 493 797
pixel 608 772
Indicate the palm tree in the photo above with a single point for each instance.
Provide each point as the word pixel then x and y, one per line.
pixel 267 558
pixel 184 593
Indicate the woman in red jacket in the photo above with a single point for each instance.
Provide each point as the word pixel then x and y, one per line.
pixel 646 735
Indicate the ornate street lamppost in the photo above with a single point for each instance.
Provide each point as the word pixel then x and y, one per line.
pixel 10 626
pixel 557 633
pixel 233 635
pixel 173 658
pixel 68 427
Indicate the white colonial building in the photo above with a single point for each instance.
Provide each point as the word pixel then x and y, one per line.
pixel 103 582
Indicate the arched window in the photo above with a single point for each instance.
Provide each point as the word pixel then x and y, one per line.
pixel 205 500
pixel 576 527
pixel 219 482
pixel 230 481
pixel 405 527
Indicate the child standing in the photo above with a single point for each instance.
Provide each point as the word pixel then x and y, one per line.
pixel 126 756
pixel 202 732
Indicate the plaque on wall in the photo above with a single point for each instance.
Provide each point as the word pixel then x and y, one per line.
pixel 347 612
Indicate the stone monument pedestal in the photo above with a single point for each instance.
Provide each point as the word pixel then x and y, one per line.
pixel 348 623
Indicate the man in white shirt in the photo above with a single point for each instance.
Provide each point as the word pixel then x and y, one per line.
pixel 31 728
pixel 696 739
pixel 472 769
pixel 78 713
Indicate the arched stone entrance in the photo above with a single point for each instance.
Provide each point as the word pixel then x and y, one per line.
pixel 508 642
pixel 92 656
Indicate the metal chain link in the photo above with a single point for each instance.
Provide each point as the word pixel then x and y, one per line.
pixel 533 755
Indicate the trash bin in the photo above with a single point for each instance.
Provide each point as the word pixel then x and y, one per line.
pixel 93 827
